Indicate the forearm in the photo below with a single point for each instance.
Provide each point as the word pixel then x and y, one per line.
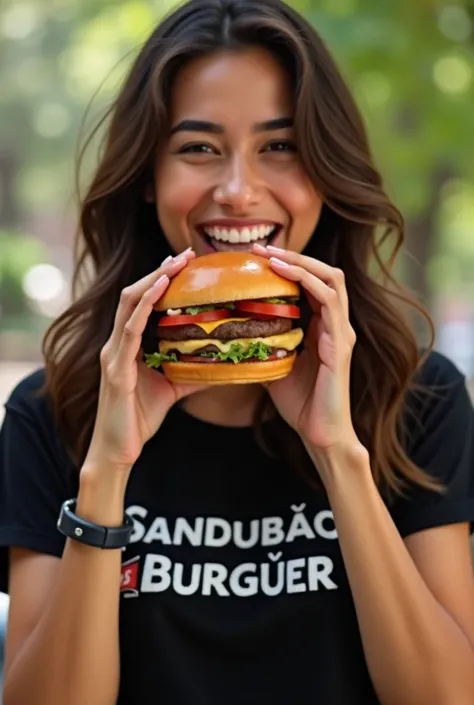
pixel 415 652
pixel 72 656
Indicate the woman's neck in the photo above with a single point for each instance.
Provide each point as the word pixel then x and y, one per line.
pixel 232 405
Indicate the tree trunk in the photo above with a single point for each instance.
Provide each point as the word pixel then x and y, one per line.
pixel 9 210
pixel 421 237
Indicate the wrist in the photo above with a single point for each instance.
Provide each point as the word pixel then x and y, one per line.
pixel 101 497
pixel 336 462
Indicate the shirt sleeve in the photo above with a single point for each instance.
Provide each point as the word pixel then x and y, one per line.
pixel 440 441
pixel 34 479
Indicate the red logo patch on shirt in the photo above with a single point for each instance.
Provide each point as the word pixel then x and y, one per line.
pixel 129 578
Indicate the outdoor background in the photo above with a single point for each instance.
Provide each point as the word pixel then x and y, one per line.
pixel 409 62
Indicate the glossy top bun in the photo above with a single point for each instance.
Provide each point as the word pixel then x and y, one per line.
pixel 225 276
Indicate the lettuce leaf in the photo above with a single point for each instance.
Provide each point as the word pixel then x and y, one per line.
pixel 155 360
pixel 194 310
pixel 237 353
pixel 289 300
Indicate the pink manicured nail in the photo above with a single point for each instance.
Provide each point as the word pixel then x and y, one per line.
pixel 166 260
pixel 279 262
pixel 280 250
pixel 160 281
pixel 259 247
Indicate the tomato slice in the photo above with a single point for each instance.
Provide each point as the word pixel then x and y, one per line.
pixel 187 319
pixel 264 309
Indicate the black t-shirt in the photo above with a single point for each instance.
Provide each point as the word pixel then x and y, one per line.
pixel 233 587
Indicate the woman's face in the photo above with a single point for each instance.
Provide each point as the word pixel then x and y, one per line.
pixel 229 173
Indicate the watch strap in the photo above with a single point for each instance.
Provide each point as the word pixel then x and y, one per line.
pixel 84 531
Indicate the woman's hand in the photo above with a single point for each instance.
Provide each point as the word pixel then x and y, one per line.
pixel 315 398
pixel 133 399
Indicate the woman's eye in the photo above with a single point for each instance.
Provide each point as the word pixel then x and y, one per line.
pixel 197 148
pixel 280 146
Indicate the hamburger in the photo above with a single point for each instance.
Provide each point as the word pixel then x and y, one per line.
pixel 227 318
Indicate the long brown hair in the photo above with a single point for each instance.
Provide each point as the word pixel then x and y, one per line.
pixel 119 237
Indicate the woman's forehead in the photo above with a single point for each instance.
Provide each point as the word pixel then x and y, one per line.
pixel 248 83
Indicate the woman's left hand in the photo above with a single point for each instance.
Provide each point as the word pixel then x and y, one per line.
pixel 315 397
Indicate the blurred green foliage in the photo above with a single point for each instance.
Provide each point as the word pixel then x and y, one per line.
pixel 18 253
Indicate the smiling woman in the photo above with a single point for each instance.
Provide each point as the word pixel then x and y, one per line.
pixel 299 541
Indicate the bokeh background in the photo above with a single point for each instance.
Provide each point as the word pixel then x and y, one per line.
pixel 409 62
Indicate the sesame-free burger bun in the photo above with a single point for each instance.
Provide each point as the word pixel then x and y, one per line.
pixel 228 373
pixel 225 276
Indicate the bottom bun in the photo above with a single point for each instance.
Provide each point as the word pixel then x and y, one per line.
pixel 228 372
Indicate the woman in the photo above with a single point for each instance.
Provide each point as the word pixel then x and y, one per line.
pixel 323 560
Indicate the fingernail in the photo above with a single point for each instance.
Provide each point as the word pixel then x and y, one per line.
pixel 275 249
pixel 188 249
pixel 179 259
pixel 160 281
pixel 279 262
pixel 260 247
pixel 166 260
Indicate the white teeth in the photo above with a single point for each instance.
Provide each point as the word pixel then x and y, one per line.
pixel 244 235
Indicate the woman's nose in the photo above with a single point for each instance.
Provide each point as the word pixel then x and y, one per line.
pixel 238 189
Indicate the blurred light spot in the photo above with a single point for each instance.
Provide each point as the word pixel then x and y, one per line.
pixel 43 282
pixel 20 20
pixel 51 120
pixel 135 20
pixel 452 74
pixel 455 23
pixel 86 68
pixel 375 88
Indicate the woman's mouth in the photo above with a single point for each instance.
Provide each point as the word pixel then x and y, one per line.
pixel 218 238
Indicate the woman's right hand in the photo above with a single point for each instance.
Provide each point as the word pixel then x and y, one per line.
pixel 133 399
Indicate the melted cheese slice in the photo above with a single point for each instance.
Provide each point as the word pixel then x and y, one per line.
pixel 212 325
pixel 285 341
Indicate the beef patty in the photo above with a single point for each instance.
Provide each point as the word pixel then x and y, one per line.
pixel 252 328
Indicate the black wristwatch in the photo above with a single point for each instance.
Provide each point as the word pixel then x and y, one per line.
pixel 87 532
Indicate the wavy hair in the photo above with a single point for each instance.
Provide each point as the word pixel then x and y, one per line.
pixel 360 230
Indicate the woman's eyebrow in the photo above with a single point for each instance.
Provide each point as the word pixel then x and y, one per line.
pixel 215 129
